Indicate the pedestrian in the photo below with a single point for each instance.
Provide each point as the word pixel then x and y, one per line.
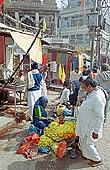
pixel 34 87
pixel 75 75
pixel 44 88
pixel 86 72
pixel 90 121
pixel 94 71
pixel 103 80
pixel 73 96
pixel 82 92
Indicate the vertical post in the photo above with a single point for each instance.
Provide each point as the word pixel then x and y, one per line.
pixel 98 47
pixel 92 48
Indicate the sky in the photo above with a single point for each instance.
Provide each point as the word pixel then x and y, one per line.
pixel 59 2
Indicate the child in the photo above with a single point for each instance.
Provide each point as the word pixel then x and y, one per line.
pixel 66 92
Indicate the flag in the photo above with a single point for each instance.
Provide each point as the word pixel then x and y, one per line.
pixel 1 2
pixel 84 10
pixel 63 75
pixel 44 25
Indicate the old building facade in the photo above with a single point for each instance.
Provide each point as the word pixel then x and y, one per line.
pixel 32 11
pixel 74 25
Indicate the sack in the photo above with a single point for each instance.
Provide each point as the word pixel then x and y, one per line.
pixel 60 109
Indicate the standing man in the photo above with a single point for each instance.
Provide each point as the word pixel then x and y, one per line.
pixel 34 90
pixel 87 72
pixel 90 121
pixel 75 75
pixel 103 80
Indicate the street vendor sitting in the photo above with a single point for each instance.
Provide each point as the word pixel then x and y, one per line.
pixel 40 118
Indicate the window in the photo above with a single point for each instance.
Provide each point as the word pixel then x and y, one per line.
pixel 65 22
pixel 79 3
pixel 66 37
pixel 76 20
pixel 72 39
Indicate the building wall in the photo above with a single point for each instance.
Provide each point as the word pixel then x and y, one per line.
pixel 26 11
pixel 75 26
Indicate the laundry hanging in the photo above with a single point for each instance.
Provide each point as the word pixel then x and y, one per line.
pixel 60 72
pixel 63 75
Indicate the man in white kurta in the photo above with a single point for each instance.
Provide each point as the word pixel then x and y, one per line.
pixel 89 122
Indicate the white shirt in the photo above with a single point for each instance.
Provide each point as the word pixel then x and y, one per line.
pixel 65 95
pixel 75 76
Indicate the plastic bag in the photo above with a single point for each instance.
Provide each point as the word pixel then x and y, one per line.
pixel 67 112
pixel 45 150
pixel 34 129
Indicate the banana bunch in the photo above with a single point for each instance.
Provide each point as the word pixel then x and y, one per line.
pixel 45 141
pixel 56 131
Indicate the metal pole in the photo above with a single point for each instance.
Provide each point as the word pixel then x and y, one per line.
pixel 92 48
pixel 98 48
pixel 93 38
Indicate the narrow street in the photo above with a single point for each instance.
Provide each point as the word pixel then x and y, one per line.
pixel 9 143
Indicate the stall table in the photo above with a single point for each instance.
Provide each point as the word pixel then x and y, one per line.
pixel 15 89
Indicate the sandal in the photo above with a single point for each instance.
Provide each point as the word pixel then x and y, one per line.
pixel 94 163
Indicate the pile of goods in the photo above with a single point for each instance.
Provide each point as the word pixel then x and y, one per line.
pixel 55 131
pixel 53 139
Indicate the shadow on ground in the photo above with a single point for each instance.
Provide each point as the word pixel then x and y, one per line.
pixel 47 163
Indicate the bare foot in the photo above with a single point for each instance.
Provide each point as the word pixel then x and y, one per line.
pixel 95 163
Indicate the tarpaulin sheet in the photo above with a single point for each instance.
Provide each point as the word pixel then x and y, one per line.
pixel 24 41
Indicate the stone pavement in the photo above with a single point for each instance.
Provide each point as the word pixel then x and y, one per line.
pixel 9 160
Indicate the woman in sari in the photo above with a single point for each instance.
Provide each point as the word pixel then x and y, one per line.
pixel 40 117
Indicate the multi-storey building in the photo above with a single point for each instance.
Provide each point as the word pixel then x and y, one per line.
pixel 74 25
pixel 32 11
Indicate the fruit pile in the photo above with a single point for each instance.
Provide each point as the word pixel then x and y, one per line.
pixel 56 131
pixel 45 141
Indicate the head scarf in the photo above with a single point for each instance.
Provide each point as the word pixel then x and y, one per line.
pixel 41 101
pixel 34 66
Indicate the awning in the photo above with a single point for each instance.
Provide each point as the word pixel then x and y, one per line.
pixel 24 41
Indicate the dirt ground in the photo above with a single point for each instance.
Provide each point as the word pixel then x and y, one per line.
pixel 9 143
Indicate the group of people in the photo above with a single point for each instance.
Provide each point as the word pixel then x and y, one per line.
pixel 93 90
pixel 94 94
pixel 37 97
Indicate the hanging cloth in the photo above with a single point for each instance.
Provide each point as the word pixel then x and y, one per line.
pixel 69 67
pixel 63 75
pixel 44 59
pixel 81 62
pixel 63 59
pixel 58 58
pixel 49 56
pixel 75 62
pixel 54 55
pixel 60 72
